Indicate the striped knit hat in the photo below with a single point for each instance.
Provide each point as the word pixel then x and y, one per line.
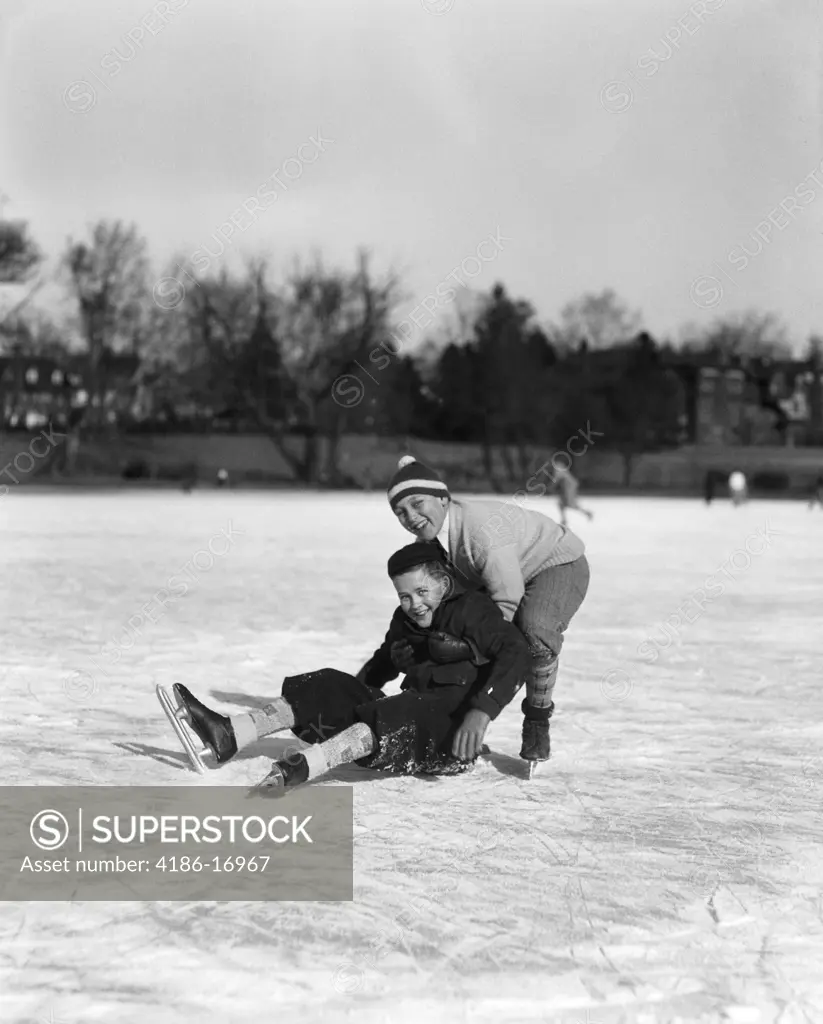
pixel 412 477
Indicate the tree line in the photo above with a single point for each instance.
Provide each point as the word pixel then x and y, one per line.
pixel 316 354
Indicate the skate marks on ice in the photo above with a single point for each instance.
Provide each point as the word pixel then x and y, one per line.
pixel 664 862
pixel 586 935
pixel 455 907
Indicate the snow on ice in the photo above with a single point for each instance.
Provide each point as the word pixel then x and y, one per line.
pixel 664 866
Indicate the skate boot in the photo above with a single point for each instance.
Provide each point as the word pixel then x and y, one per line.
pixel 536 742
pixel 214 729
pixel 285 774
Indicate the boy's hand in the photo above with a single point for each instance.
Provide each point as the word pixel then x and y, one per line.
pixel 444 648
pixel 402 655
pixel 468 739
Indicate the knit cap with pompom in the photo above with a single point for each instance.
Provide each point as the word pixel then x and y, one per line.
pixel 412 477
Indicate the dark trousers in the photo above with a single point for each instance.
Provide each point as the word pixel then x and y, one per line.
pixel 414 730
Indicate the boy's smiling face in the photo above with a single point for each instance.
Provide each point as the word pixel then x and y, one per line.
pixel 422 514
pixel 421 591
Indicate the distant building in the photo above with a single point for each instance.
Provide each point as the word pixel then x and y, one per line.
pixel 36 390
pixel 733 401
pixel 754 402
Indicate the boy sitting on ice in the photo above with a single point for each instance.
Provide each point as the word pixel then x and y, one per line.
pixel 436 724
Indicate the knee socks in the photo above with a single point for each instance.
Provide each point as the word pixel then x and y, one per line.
pixel 254 725
pixel 353 743
pixel 350 745
pixel 540 683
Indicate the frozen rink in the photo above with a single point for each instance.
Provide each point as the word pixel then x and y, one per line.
pixel 666 865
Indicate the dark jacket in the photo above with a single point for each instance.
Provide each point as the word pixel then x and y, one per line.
pixel 470 616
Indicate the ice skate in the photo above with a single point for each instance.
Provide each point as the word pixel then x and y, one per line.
pixel 285 774
pixel 203 733
pixel 212 728
pixel 536 745
pixel 536 741
pixel 178 720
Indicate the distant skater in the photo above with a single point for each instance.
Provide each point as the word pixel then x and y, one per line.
pixel 817 493
pixel 708 487
pixel 567 487
pixel 738 487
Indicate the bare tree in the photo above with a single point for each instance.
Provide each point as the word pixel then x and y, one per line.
pixel 750 334
pixel 331 321
pixel 229 344
pixel 19 259
pixel 456 324
pixel 109 277
pixel 600 320
pixel 229 352
pixel 276 355
pixel 19 256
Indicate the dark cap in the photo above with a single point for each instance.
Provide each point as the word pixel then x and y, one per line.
pixel 413 555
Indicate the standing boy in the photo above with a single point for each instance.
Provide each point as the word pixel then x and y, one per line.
pixel 533 569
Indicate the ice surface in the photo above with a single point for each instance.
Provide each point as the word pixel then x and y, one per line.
pixel 665 865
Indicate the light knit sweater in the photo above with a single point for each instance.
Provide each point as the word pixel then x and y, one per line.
pixel 501 546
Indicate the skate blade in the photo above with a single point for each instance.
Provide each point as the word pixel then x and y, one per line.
pixel 270 790
pixel 531 769
pixel 267 792
pixel 176 716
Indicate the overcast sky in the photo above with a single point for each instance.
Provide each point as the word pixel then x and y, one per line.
pixel 639 145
